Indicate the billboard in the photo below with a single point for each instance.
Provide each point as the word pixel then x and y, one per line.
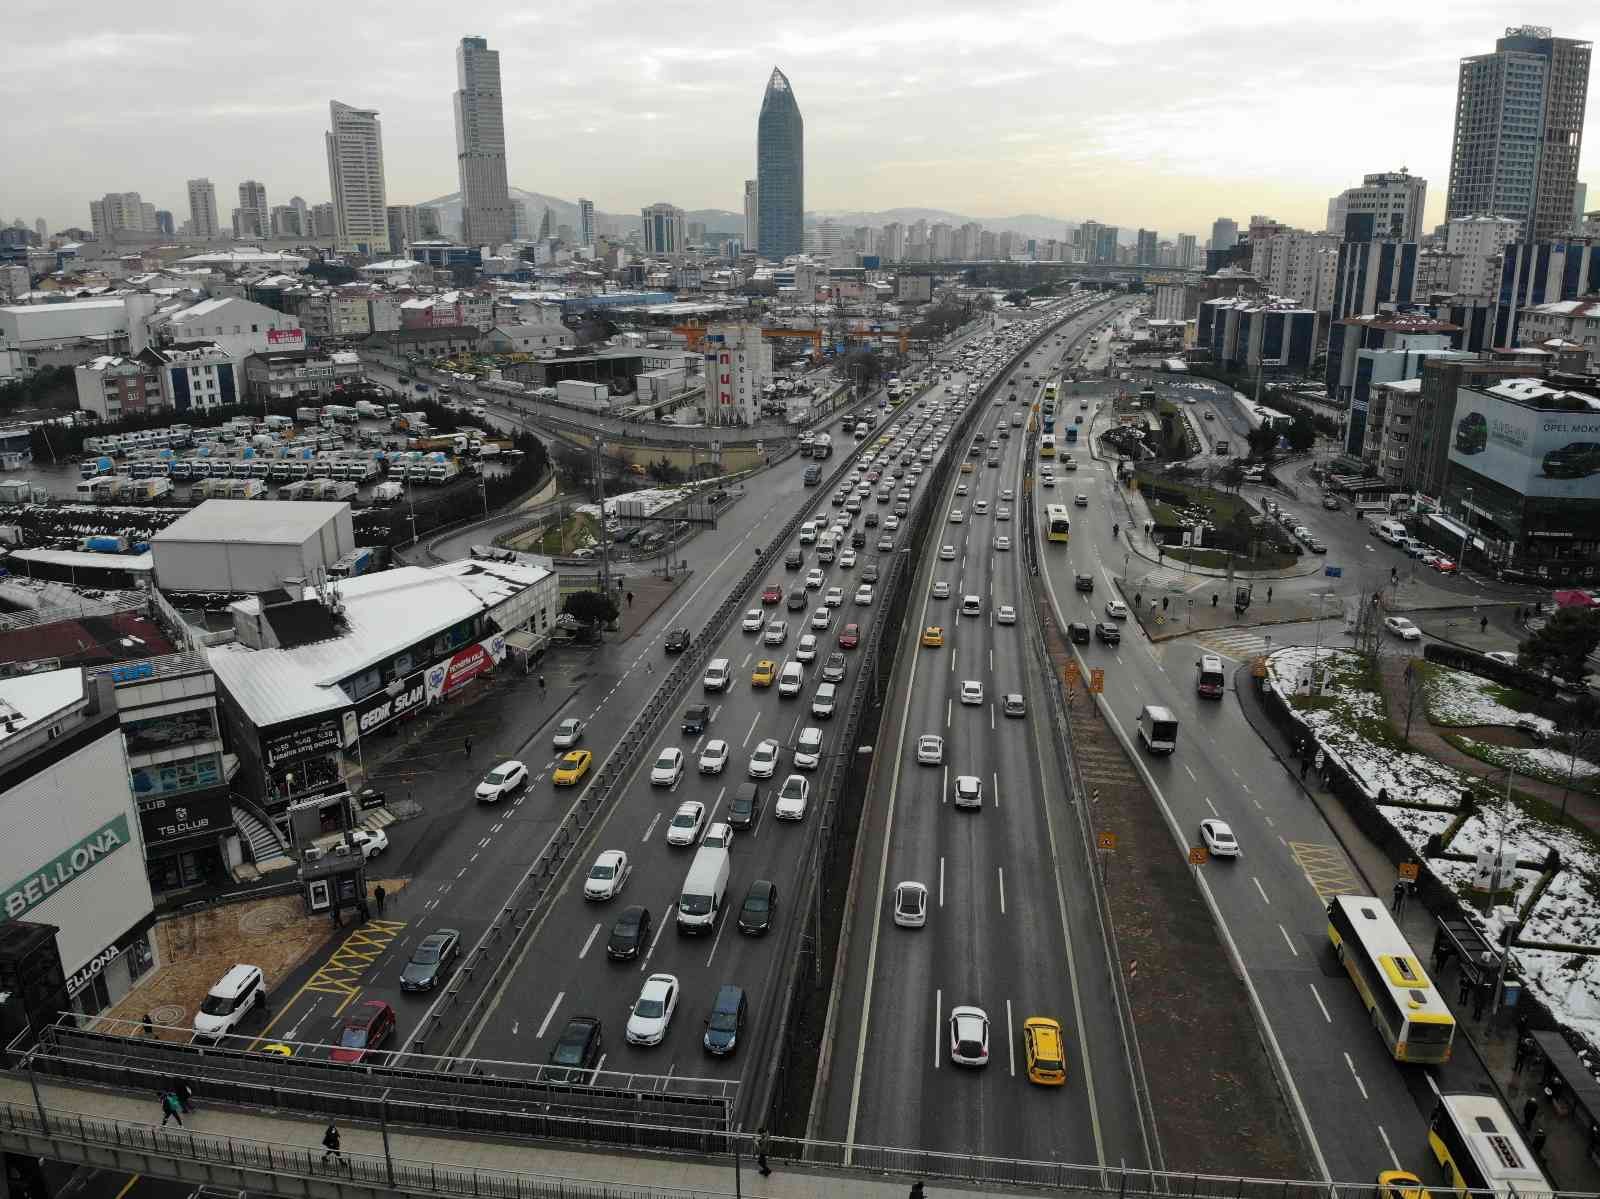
pixel 1537 452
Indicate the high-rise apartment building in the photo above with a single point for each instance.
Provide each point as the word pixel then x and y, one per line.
pixel 1519 131
pixel 780 171
pixel 481 145
pixel 663 229
pixel 355 173
pixel 752 213
pixel 254 217
pixel 1224 234
pixel 586 221
pixel 1480 241
pixel 323 222
pixel 120 212
pixel 165 225
pixel 1186 254
pixel 892 242
pixel 202 209
pixel 402 222
pixel 1145 248
pixel 1099 242
pixel 1389 201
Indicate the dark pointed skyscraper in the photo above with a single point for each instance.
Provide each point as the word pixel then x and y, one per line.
pixel 780 171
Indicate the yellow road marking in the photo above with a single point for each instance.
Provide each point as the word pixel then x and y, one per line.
pixel 1326 868
pixel 341 974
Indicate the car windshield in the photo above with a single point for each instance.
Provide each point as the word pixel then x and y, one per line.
pixel 649 1007
pixel 568 727
pixel 500 774
pixel 603 870
pixel 570 1051
pixel 665 762
pixel 911 901
pixel 741 803
pixel 755 903
pixel 791 790
pixel 724 1022
pixel 353 1038
pixel 684 820
pixel 427 954
pixel 216 1005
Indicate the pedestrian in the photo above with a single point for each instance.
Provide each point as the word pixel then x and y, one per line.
pixel 362 910
pixel 761 1153
pixel 333 914
pixel 916 1190
pixel 1399 896
pixel 1305 765
pixel 1530 1109
pixel 541 682
pixel 330 1144
pixel 1213 599
pixel 1481 998
pixel 182 1090
pixel 171 1109
pixel 1483 625
pixel 1269 595
pixel 630 599
pixel 1163 603
pixel 149 1025
pixel 379 894
pixel 1536 1142
pixel 467 745
pixel 1138 598
pixel 1524 1047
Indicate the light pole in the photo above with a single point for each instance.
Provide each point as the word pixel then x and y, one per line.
pixel 1316 653
pixel 1466 529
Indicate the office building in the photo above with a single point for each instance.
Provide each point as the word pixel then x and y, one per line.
pixel 663 226
pixel 1224 234
pixel 253 219
pixel 1393 200
pixel 1519 131
pixel 780 172
pixel 1543 273
pixel 1369 276
pixel 586 221
pixel 1243 333
pixel 481 145
pixel 1379 347
pixel 1145 248
pixel 355 173
pixel 1098 242
pixel 752 212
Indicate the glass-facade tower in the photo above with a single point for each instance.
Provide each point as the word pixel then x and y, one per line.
pixel 780 171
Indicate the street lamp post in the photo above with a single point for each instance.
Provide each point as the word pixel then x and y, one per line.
pixel 1316 653
pixel 1466 528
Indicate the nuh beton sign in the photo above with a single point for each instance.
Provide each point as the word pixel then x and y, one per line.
pixel 22 897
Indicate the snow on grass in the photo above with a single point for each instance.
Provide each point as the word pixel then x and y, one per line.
pixel 1456 698
pixel 1541 762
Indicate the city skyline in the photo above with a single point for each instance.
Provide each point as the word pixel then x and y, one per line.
pixel 929 109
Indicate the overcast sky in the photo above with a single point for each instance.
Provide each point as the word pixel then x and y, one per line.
pixel 1160 113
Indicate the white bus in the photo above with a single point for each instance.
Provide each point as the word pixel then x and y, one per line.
pixel 1405 1005
pixel 1057 522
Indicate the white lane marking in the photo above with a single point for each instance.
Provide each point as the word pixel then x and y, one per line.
pixel 551 1014
pixel 1359 1084
pixel 1260 888
pixel 938 1028
pixel 1393 1157
pixel 1320 1004
pixel 944 784
pixel 1001 870
pixel 751 733
pixel 949 711
pixel 650 829
pixel 1011 1041
pixel 941 880
pixel 1192 778
pixel 994 782
pixel 1288 941
pixel 717 940
pixel 1212 806
pixel 593 933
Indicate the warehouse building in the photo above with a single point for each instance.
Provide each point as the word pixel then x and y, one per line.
pixel 246 547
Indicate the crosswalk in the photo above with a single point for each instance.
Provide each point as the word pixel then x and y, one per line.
pixel 1164 579
pixel 1238 644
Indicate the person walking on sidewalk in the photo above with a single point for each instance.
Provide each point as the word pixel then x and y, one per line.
pixel 171 1109
pixel 761 1153
pixel 330 1144
pixel 1530 1109
pixel 379 894
pixel 467 745
pixel 1524 1048
pixel 181 1088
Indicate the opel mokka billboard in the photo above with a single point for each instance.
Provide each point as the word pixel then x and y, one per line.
pixel 1537 452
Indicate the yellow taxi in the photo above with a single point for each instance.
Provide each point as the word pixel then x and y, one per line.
pixel 766 670
pixel 573 767
pixel 1046 1055
pixel 278 1049
pixel 966 468
pixel 1400 1184
pixel 933 636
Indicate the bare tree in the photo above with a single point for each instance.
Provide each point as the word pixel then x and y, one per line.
pixel 1416 689
pixel 1575 744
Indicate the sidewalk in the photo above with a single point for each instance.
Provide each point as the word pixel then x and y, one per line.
pixel 1492 1039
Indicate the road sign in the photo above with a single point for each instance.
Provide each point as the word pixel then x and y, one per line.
pixel 1105 840
pixel 1258 668
pixel 1410 871
pixel 1333 572
pixel 1198 855
pixel 1097 680
pixel 1071 672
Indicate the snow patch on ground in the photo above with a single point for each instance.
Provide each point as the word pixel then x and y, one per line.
pixel 1458 699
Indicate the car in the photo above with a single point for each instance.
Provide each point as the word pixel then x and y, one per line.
pixel 834 597
pixel 957 516
pixel 847 558
pixel 576 1051
pixel 871 521
pixel 370 841
pixel 652 1011
pixel 1078 630
pixel 686 823
pixel 1012 704
pixel 574 764
pixel 607 876
pixel 719 835
pixel 1116 609
pixel 765 673
pixel 1007 494
pixel 930 749
pixel 744 809
pixel 432 960
pixel 941 590
pixel 792 798
pixel 1316 545
pixel 668 768
pixel 891 523
pixel 850 636
pixel 1108 633
pixel 772 594
pixel 821 617
pixel 1500 655
pixel 814 579
pixel 1005 614
pixel 971 691
pixel 885 544
pixel 805 650
pixel 833 669
pixel 1083 582
pixel 777 632
pixel 696 717
pixel 678 641
pixel 366 1030
pixel 808 749
pixel 754 621
pixel 714 756
pixel 1002 542
pixel 1401 1184
pixel 1445 566
pixel 1043 1052
pixel 968 791
pixel 759 907
pixel 1219 838
pixel 869 572
pixel 763 759
pixel 1402 628
pixel 1080 500
pixel 502 781
pixel 1330 503
pixel 864 595
pixel 792 677
pixel 947 553
pixel 568 733
pixel 1002 513
pixel 969 1036
pixel 933 636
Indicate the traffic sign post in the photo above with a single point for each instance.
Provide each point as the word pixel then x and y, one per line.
pixel 1097 680
pixel 1198 855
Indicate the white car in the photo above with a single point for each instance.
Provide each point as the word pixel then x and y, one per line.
pixel 686 823
pixel 941 590
pixel 370 841
pixel 847 559
pixel 930 749
pixel 764 759
pixel 1116 609
pixel 961 489
pixel 792 797
pixel 502 781
pixel 972 691
pixel 864 595
pixel 718 836
pixel 808 749
pixel 947 553
pixel 714 757
pixel 607 875
pixel 957 516
pixel 969 1036
pixel 652 1011
pixel 980 507
pixel 777 632
pixel 754 621
pixel 1002 542
pixel 891 523
pixel 1219 838
pixel 910 905
pixel 1402 628
pixel 821 617
pixel 806 649
pixel 1007 494
pixel 568 733
pixel 1002 513
pixel 814 579
pixel 791 678
pixel 968 791
pixel 668 768
pixel 1504 656
pixel 1005 614
pixel 834 598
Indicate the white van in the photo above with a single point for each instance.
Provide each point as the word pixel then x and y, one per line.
pixel 808 533
pixel 822 703
pixel 705 888
pixel 791 678
pixel 1158 729
pixel 236 994
pixel 1390 530
pixel 718 673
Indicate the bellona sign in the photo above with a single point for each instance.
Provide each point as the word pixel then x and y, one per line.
pixel 22 897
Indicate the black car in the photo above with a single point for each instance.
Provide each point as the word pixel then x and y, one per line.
pixel 760 905
pixel 576 1051
pixel 1079 632
pixel 1083 582
pixel 726 1020
pixel 696 717
pixel 793 559
pixel 872 520
pixel 630 935
pixel 431 961
pixel 677 641
pixel 745 807
pixel 1108 633
pixel 858 539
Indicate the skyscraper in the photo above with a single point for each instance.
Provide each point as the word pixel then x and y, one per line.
pixel 1393 200
pixel 202 209
pixel 120 212
pixel 254 216
pixel 752 213
pixel 164 223
pixel 481 145
pixel 586 222
pixel 1145 247
pixel 1224 233
pixel 1185 250
pixel 780 171
pixel 1519 131
pixel 355 174
pixel 663 229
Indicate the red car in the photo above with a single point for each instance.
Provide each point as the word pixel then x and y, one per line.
pixel 772 595
pixel 366 1030
pixel 873 476
pixel 1445 566
pixel 850 636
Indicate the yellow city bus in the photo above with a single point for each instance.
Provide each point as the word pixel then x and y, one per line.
pixel 1405 1005
pixel 1050 394
pixel 1480 1148
pixel 1047 446
pixel 1057 522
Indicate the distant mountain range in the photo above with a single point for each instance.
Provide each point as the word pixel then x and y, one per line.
pixel 565 212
